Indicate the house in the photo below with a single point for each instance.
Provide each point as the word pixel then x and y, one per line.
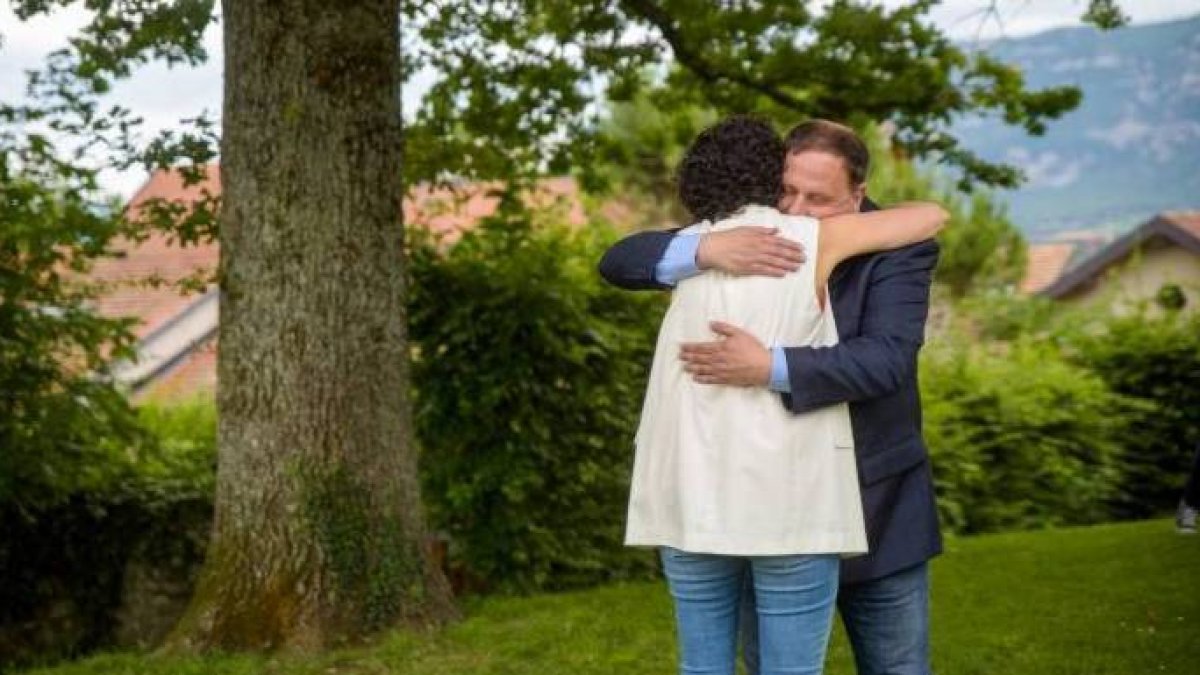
pixel 1049 260
pixel 1157 261
pixel 177 333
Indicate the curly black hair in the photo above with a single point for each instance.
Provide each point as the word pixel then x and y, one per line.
pixel 730 165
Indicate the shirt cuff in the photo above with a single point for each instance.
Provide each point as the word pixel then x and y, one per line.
pixel 679 260
pixel 779 372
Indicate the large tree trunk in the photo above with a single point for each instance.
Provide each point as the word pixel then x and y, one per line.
pixel 319 528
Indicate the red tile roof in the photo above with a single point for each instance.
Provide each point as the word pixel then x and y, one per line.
pixel 450 211
pixel 1046 263
pixel 1189 221
pixel 170 185
pixel 130 278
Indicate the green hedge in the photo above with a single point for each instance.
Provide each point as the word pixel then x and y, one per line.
pixel 1019 438
pixel 529 375
pixel 1155 358
pixel 65 561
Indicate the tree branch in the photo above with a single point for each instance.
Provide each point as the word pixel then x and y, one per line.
pixel 688 57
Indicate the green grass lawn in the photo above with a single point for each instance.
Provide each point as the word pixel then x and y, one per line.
pixel 1115 599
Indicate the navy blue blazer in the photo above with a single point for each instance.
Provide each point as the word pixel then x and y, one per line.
pixel 880 302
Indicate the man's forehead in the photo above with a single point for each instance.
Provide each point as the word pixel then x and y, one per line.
pixel 817 165
pixel 816 160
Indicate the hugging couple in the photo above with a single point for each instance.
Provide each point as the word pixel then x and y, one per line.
pixel 780 468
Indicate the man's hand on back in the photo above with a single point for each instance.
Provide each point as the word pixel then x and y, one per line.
pixel 738 358
pixel 747 250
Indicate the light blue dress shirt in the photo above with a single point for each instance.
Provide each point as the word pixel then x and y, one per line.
pixel 679 263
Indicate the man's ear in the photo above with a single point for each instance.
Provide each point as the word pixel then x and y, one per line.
pixel 861 202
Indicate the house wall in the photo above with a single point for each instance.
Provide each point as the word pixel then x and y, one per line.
pixel 1139 277
pixel 193 377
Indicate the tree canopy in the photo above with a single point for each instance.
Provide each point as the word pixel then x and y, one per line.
pixel 517 87
pixel 517 83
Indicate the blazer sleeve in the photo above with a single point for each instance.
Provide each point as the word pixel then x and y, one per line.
pixel 630 263
pixel 883 357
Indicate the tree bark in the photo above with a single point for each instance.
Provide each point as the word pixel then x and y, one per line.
pixel 318 533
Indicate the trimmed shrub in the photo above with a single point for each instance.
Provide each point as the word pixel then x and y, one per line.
pixel 67 566
pixel 1156 359
pixel 529 374
pixel 1019 438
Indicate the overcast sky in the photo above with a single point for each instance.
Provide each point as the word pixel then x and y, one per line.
pixel 163 96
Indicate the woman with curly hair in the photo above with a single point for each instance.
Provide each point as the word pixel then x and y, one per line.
pixel 725 479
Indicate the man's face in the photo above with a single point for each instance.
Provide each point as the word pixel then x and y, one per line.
pixel 817 184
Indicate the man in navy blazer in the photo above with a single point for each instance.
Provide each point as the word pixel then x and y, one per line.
pixel 880 303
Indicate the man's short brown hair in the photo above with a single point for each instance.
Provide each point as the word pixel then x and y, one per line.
pixel 836 139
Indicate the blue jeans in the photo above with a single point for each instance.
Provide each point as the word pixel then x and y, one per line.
pixel 795 597
pixel 887 621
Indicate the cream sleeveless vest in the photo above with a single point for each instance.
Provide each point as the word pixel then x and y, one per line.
pixel 729 470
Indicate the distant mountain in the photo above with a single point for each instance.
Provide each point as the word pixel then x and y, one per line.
pixel 1131 149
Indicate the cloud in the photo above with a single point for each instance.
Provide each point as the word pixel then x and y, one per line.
pixel 1046 169
pixel 1158 140
pixel 968 20
pixel 1126 132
